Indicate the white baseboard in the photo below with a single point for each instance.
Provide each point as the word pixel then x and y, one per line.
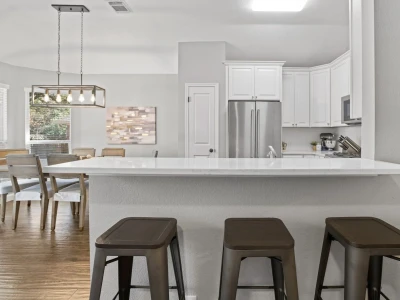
pixel 191 297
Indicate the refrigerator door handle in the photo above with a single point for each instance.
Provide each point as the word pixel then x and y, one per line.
pixel 252 134
pixel 257 132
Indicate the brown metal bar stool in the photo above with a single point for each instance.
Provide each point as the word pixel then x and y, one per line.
pixel 258 238
pixel 366 240
pixel 149 237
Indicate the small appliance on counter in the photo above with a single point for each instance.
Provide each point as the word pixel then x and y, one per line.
pixel 350 149
pixel 327 141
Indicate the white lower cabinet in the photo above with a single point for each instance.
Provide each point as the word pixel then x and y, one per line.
pixel 296 99
pixel 320 100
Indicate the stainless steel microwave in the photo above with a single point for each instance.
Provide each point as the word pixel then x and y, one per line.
pixel 346 112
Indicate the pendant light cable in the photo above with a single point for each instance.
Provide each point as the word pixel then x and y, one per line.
pixel 59 46
pixel 82 47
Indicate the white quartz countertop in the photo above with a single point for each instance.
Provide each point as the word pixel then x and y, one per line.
pixel 226 167
pixel 307 152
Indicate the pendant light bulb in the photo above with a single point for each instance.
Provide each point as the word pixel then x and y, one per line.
pixel 93 97
pixel 81 97
pixel 69 98
pixel 58 98
pixel 46 96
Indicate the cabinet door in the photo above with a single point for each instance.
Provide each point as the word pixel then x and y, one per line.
pixel 288 97
pixel 302 99
pixel 340 86
pixel 320 104
pixel 268 83
pixel 241 82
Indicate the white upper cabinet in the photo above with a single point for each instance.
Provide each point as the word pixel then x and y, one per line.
pixel 296 99
pixel 267 82
pixel 302 99
pixel 320 101
pixel 288 105
pixel 241 82
pixel 340 86
pixel 255 82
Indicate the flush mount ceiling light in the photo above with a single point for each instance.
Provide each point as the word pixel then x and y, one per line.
pixel 54 96
pixel 279 5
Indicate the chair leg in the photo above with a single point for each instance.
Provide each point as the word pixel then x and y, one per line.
pixel 289 271
pixel 157 265
pixel 279 282
pixel 54 215
pixel 230 270
pixel 15 214
pixel 177 262
pixel 82 214
pixel 77 208
pixel 125 264
pixel 375 278
pixel 356 273
pixel 326 249
pixel 98 274
pixel 45 208
pixel 72 204
pixel 3 207
pixel 29 203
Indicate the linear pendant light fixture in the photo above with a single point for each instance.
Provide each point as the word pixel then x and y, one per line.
pixel 54 96
pixel 279 5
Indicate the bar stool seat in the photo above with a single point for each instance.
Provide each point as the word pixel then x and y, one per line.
pixel 138 233
pixel 253 234
pixel 149 237
pixel 366 241
pixel 364 232
pixel 267 237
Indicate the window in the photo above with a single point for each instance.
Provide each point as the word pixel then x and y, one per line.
pixel 48 130
pixel 3 115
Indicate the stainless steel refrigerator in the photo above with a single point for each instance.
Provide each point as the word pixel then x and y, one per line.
pixel 254 126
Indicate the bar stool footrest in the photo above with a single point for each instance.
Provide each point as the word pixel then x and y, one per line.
pixel 333 287
pixel 143 287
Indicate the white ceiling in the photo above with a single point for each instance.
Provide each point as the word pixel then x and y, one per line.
pixel 145 41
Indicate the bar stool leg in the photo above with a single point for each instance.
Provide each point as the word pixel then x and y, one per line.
pixel 176 260
pixel 279 282
pixel 289 271
pixel 356 273
pixel 229 274
pixel 375 277
pixel 326 248
pixel 125 264
pixel 157 265
pixel 98 274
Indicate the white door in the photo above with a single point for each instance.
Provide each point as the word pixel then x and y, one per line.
pixel 320 104
pixel 241 82
pixel 267 82
pixel 340 86
pixel 302 99
pixel 288 97
pixel 201 121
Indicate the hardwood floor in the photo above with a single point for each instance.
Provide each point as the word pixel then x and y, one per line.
pixel 37 264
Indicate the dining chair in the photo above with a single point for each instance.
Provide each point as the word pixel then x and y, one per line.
pixel 84 152
pixel 113 152
pixel 76 193
pixel 25 167
pixel 6 185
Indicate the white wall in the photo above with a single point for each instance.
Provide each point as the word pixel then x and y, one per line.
pixel 88 125
pixel 160 91
pixel 387 47
pixel 202 63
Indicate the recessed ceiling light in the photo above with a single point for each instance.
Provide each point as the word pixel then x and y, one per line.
pixel 278 5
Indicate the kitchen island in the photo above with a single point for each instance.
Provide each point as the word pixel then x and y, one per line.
pixel 202 193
